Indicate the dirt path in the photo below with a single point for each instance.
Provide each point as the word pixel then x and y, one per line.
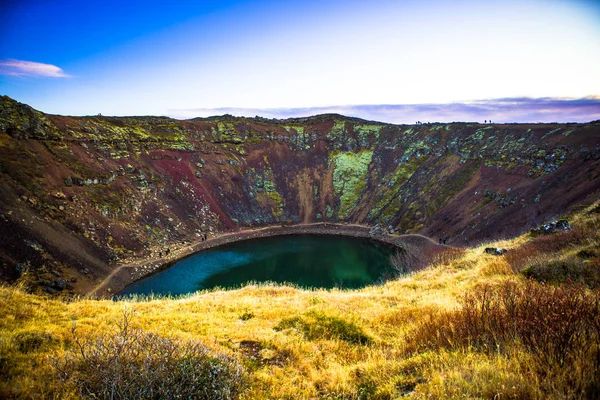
pixel 128 273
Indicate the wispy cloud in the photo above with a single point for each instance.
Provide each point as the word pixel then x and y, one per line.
pixel 507 110
pixel 31 68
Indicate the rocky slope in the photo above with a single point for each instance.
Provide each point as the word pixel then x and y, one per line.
pixel 82 195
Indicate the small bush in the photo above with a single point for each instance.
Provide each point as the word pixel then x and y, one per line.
pixel 314 325
pixel 246 316
pixel 568 270
pixel 588 253
pixel 134 364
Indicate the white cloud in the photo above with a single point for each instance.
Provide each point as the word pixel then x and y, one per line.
pixel 31 68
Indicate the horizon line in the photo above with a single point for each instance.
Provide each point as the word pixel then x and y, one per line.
pixel 503 110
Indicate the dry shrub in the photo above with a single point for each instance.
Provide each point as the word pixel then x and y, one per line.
pixel 548 320
pixel 134 364
pixel 558 326
pixel 544 260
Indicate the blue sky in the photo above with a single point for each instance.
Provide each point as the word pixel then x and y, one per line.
pixel 390 60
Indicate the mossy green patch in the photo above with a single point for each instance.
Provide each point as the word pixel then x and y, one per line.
pixel 265 190
pixel 227 132
pixel 152 131
pixel 22 122
pixel 366 132
pixel 416 149
pixel 329 211
pixel 453 185
pixel 337 131
pixel 299 129
pixel 480 133
pixel 350 178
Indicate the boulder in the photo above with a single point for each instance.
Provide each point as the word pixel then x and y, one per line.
pixel 59 284
pixel 495 251
pixel 551 227
pixel 53 287
pixel 376 231
pixel 50 290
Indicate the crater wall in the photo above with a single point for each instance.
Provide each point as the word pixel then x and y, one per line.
pixel 82 195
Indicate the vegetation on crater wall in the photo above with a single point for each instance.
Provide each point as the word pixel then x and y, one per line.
pixel 367 133
pixel 265 192
pixel 226 132
pixel 388 197
pixel 349 178
pixel 22 121
pixel 439 192
pixel 294 128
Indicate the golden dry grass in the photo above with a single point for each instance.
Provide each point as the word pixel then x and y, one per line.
pixel 285 363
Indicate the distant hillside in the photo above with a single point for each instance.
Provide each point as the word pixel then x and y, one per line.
pixel 82 195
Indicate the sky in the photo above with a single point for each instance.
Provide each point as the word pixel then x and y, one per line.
pixel 387 60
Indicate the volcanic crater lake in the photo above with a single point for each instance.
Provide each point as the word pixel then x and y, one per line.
pixel 310 261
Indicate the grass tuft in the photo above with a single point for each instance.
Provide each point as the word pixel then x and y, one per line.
pixel 316 325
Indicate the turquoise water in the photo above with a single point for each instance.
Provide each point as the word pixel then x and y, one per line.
pixel 305 260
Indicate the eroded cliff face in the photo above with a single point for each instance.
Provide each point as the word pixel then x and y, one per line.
pixel 80 195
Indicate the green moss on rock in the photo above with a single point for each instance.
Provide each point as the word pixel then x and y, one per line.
pixel 350 178
pixel 366 132
pixel 226 132
pixel 23 122
pixel 265 191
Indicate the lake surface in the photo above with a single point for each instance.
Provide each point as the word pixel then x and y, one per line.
pixel 306 260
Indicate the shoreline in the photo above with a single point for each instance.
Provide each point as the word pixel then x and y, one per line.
pixel 126 274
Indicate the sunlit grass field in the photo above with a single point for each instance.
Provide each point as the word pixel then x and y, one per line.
pixel 469 325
